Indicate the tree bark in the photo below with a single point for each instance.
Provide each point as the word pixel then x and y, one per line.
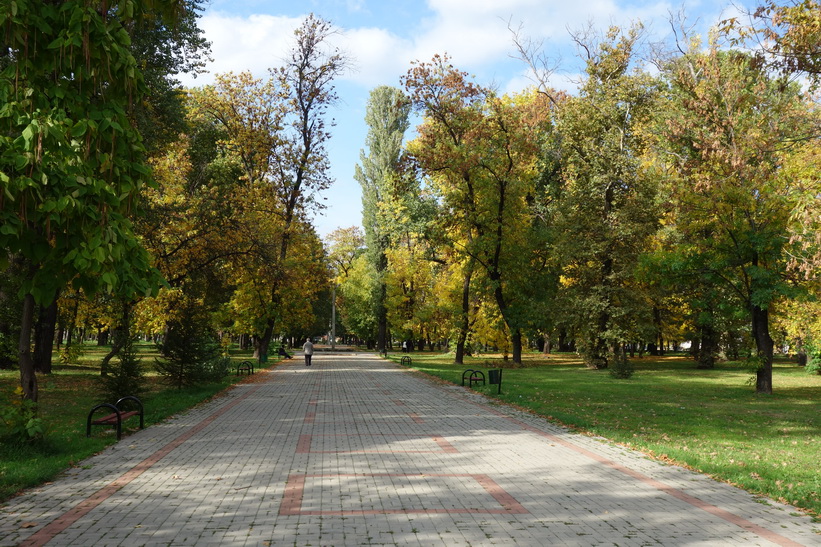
pixel 764 346
pixel 121 334
pixel 516 338
pixel 44 330
pixel 464 326
pixel 708 347
pixel 381 298
pixel 28 378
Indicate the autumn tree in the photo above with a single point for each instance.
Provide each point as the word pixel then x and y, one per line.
pixel 479 153
pixel 729 131
pixel 278 130
pixel 164 49
pixel 604 204
pixel 786 34
pixel 343 247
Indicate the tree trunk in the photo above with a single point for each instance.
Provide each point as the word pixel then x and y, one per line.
pixel 382 321
pixel 44 330
pixel 546 347
pixel 596 355
pixel 708 347
pixel 464 324
pixel 262 343
pixel 381 298
pixel 564 343
pixel 517 346
pixel 28 378
pixel 121 333
pixel 764 346
pixel 503 309
pixel 73 322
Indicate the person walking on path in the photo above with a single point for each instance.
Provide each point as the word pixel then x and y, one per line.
pixel 308 348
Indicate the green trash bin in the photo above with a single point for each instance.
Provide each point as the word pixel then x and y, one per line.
pixel 494 377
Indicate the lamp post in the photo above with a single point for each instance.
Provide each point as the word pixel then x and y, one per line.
pixel 333 316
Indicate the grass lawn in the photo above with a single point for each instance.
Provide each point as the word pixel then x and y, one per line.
pixel 711 421
pixel 66 397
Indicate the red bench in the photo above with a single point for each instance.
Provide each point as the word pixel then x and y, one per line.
pixel 117 415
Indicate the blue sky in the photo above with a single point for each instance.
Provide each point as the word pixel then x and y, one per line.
pixel 384 36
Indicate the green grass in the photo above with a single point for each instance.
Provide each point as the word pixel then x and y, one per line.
pixel 65 398
pixel 711 421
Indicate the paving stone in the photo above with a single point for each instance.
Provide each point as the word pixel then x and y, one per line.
pixel 358 451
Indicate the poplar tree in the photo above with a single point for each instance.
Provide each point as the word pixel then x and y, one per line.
pixel 387 116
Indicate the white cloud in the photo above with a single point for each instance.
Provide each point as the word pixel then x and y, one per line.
pixel 379 56
pixel 255 43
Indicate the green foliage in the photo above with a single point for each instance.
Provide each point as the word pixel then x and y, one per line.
pixel 606 208
pixel 387 115
pixel 621 367
pixel 20 418
pixel 217 368
pixel 814 365
pixel 191 350
pixel 356 292
pixel 10 307
pixel 71 162
pixel 71 354
pixel 478 153
pixel 8 350
pixel 126 376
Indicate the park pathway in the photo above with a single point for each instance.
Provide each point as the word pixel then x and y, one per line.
pixel 358 451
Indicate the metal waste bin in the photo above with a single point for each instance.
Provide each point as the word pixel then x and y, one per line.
pixel 494 377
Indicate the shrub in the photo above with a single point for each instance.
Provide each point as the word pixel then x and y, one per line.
pixel 814 365
pixel 217 369
pixel 189 350
pixel 126 377
pixel 621 367
pixel 21 419
pixel 71 354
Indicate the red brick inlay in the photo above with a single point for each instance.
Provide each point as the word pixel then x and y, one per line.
pixel 446 446
pixel 295 492
pixel 723 514
pixel 59 524
pixel 416 418
pixel 303 446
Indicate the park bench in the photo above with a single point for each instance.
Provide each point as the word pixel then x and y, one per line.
pixel 246 367
pixel 117 415
pixel 406 361
pixel 473 376
pixel 494 377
